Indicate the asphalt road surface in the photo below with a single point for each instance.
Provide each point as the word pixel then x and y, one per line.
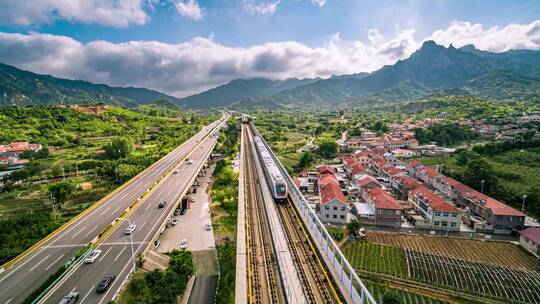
pixel 30 272
pixel 116 257
pixel 204 289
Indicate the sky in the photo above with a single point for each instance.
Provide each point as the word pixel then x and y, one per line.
pixel 182 47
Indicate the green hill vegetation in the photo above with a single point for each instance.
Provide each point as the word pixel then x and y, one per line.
pixel 85 156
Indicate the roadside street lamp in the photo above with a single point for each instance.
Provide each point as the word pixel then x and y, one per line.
pixel 482 188
pixel 131 241
pixel 523 203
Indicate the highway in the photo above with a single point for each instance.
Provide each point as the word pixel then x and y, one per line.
pixel 116 249
pixel 31 271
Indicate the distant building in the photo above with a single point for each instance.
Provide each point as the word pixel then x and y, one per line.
pixel 17 147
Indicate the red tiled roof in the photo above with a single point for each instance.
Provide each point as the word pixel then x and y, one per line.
pixel 415 163
pixel 364 180
pixel 434 201
pixel 410 183
pixel 430 172
pixel 330 192
pixel 358 168
pixel 532 233
pixel 394 171
pixel 321 169
pixel 382 199
pixel 348 160
pixel 497 207
pixel 379 161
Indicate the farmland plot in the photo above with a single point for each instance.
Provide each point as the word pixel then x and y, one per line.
pixel 376 258
pixel 499 253
pixel 511 285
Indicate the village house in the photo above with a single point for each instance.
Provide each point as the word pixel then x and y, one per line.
pixel 437 214
pixel 402 185
pixel 530 239
pixel 380 208
pixel 502 219
pixel 333 203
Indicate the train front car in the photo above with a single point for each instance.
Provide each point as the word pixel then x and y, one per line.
pixel 275 180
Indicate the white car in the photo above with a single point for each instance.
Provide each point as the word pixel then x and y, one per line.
pixel 175 221
pixel 183 244
pixel 130 229
pixel 189 161
pixel 92 256
pixel 208 227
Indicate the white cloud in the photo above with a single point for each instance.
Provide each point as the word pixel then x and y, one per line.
pixel 105 12
pixel 496 38
pixel 320 3
pixel 265 8
pixel 200 63
pixel 190 9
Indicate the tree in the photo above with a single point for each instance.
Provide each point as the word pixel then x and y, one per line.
pixel 306 160
pixel 478 170
pixel 353 227
pixel 118 147
pixel 392 297
pixel 355 132
pixel 140 260
pixel 62 191
pixel 327 149
pixel 182 263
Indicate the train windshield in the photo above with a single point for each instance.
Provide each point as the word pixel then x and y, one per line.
pixel 281 189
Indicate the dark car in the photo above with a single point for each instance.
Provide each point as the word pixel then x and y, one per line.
pixel 161 205
pixel 105 283
pixel 71 298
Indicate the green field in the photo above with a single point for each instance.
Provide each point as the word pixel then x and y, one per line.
pixel 376 258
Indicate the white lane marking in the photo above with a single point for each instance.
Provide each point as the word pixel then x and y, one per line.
pixel 148 205
pixel 54 262
pixel 169 193
pixel 124 196
pixel 73 289
pixel 80 230
pixel 90 231
pixel 86 295
pixel 116 210
pixel 7 302
pixel 142 225
pixel 102 213
pixel 119 254
pixel 30 270
pixel 104 254
pixel 15 269
pixel 161 191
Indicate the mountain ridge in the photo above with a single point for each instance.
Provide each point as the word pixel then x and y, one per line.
pixel 430 69
pixel 20 87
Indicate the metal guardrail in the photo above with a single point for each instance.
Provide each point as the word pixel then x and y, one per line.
pixel 355 288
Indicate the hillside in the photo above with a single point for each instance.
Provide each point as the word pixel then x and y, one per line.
pixel 241 90
pixel 18 87
pixel 431 70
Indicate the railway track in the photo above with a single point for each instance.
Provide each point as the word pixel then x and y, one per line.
pixel 317 286
pixel 263 275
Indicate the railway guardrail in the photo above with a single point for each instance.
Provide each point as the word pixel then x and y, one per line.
pixel 355 288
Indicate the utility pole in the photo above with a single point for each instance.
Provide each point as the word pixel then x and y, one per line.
pixel 482 188
pixel 523 203
pixel 131 240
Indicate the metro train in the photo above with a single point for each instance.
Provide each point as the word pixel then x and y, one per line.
pixel 275 180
